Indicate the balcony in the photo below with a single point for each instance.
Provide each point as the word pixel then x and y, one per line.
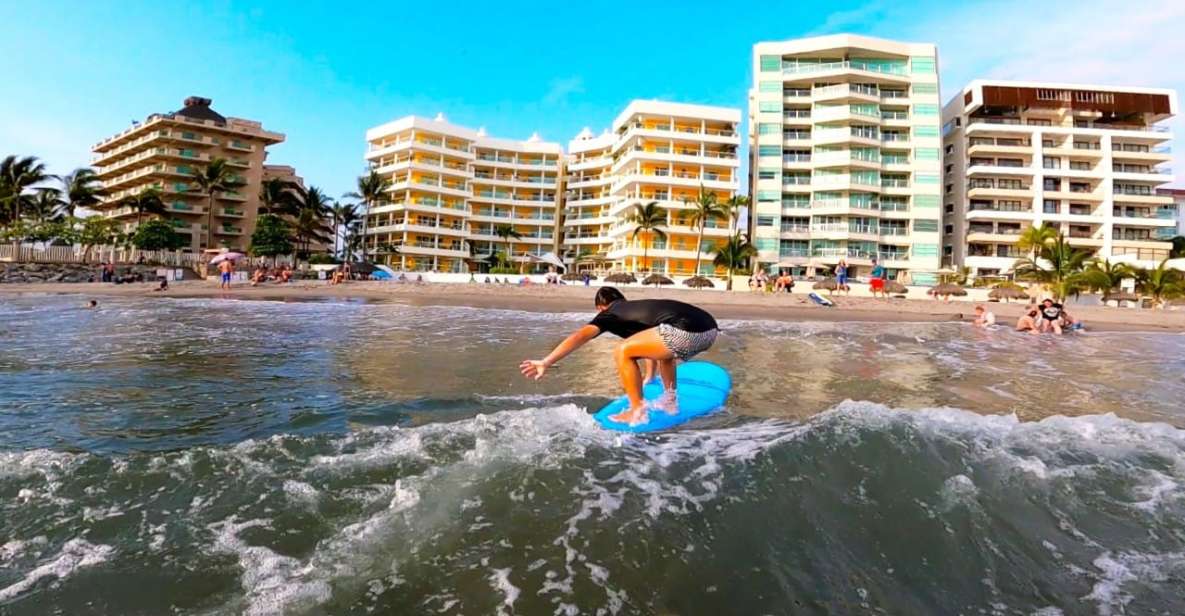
pixel 230 212
pixel 846 65
pixel 228 230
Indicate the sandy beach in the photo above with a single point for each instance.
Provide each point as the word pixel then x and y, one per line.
pixel 572 298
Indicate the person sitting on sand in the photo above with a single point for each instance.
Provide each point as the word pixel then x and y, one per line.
pixel 164 284
pixel 661 330
pixel 1051 316
pixel 487 280
pixel 258 276
pixel 1070 323
pixel 1028 322
pixel 784 282
pixel 286 274
pixel 984 318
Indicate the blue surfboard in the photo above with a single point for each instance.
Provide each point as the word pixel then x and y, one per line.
pixel 703 387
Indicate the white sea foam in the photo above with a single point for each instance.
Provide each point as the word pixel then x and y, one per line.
pixel 75 554
pixel 1118 569
pixel 500 581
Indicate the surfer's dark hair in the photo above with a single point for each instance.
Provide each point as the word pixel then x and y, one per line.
pixel 607 295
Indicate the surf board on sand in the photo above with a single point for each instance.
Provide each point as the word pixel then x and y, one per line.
pixel 820 300
pixel 703 387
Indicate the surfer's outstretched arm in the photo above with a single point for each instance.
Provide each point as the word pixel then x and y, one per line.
pixel 534 368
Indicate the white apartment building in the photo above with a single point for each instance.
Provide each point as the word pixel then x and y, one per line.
pixel 1087 159
pixel 845 156
pixel 453 188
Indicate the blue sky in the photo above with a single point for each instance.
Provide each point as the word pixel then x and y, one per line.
pixel 77 72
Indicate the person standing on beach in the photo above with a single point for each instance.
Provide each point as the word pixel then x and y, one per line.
pixel 841 276
pixel 877 283
pixel 226 267
pixel 658 330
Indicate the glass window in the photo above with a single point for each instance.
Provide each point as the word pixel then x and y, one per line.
pixel 769 195
pixel 769 106
pixel 769 86
pixel 925 201
pixel 925 109
pixel 771 63
pixel 768 128
pixel 925 178
pixel 925 131
pixel 925 88
pixel 764 243
pixel 926 154
pixel 925 250
pixel 767 221
pixel 925 226
pixel 923 64
pixel 769 150
pixel 767 174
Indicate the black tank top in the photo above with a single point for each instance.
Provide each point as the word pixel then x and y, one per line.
pixel 626 318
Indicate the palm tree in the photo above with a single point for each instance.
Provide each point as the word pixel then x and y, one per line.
pixel 647 219
pixel 1160 283
pixel 1102 275
pixel 313 211
pixel 733 206
pixel 147 201
pixel 344 215
pixel 17 175
pixel 276 197
pixel 1036 237
pixel 733 255
pixel 80 188
pixel 507 232
pixel 706 209
pixel 44 204
pixel 1063 275
pixel 216 177
pixel 372 188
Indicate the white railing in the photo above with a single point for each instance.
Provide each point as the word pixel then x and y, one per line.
pixel 27 253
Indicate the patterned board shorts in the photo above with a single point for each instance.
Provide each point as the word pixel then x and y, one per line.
pixel 686 345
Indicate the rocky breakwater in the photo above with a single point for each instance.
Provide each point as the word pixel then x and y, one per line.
pixel 66 272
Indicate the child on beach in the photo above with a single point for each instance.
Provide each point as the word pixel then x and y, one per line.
pixel 657 330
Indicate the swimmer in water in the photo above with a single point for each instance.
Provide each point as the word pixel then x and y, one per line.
pixel 660 330
pixel 92 304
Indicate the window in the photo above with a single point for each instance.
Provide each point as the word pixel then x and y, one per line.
pixel 925 178
pixel 949 149
pixel 769 150
pixel 950 188
pixel 925 88
pixel 769 195
pixel 948 229
pixel 950 208
pixel 766 173
pixel 925 226
pixel 1051 184
pixel 769 106
pixel 769 86
pixel 925 250
pixel 950 168
pixel 925 131
pixel 922 64
pixel 768 128
pixel 926 154
pixel 1050 206
pixel 1052 163
pixel 183 169
pixel 926 109
pixel 765 244
pixel 767 221
pixel 771 63
pixel 926 201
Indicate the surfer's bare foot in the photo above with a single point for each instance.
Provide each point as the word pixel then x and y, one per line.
pixel 668 403
pixel 632 417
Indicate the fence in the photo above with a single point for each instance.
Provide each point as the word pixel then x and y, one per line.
pixel 105 254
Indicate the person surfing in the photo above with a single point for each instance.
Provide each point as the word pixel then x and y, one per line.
pixel 655 330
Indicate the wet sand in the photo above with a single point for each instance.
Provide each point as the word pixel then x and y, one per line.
pixel 735 305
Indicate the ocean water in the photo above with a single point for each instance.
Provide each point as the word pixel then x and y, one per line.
pixel 225 457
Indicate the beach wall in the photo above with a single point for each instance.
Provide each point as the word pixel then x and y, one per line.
pixel 11 273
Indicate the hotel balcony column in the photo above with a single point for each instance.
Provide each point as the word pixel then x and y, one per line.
pixel 1108 205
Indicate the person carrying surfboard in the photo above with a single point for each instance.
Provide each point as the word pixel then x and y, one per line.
pixel 661 330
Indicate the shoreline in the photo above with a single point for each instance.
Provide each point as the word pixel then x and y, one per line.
pixel 571 298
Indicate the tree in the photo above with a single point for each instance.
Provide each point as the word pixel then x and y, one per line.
pixel 44 204
pixel 507 233
pixel 276 196
pixel 1033 239
pixel 1057 265
pixel 1178 247
pixel 733 206
pixel 16 176
pixel 647 220
pixel 733 255
pixel 372 188
pixel 344 216
pixel 1102 275
pixel 272 237
pixel 81 188
pixel 705 208
pixel 1161 283
pixel 313 209
pixel 94 231
pixel 147 201
pixel 216 177
pixel 157 234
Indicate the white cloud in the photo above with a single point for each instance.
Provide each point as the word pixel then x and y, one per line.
pixel 560 90
pixel 1085 41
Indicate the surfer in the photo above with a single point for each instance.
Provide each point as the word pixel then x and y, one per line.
pixel 661 330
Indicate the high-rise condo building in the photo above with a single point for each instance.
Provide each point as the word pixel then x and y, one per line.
pixel 845 156
pixel 1086 159
pixel 165 150
pixel 457 196
pixel 656 152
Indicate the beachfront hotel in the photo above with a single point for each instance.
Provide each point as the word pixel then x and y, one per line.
pixel 452 188
pixel 845 156
pixel 164 150
pixel 656 152
pixel 1087 159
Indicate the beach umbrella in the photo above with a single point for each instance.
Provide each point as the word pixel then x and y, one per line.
pixel 621 278
pixel 574 276
pixel 830 284
pixel 657 279
pixel 363 267
pixel 1007 293
pixel 1116 295
pixel 699 282
pixel 227 256
pixel 892 286
pixel 949 288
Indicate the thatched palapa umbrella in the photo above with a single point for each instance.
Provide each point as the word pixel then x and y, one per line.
pixel 949 288
pixel 575 276
pixel 1007 294
pixel 829 284
pixel 896 288
pixel 699 282
pixel 621 278
pixel 657 279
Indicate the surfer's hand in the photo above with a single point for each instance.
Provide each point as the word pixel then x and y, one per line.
pixel 533 368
